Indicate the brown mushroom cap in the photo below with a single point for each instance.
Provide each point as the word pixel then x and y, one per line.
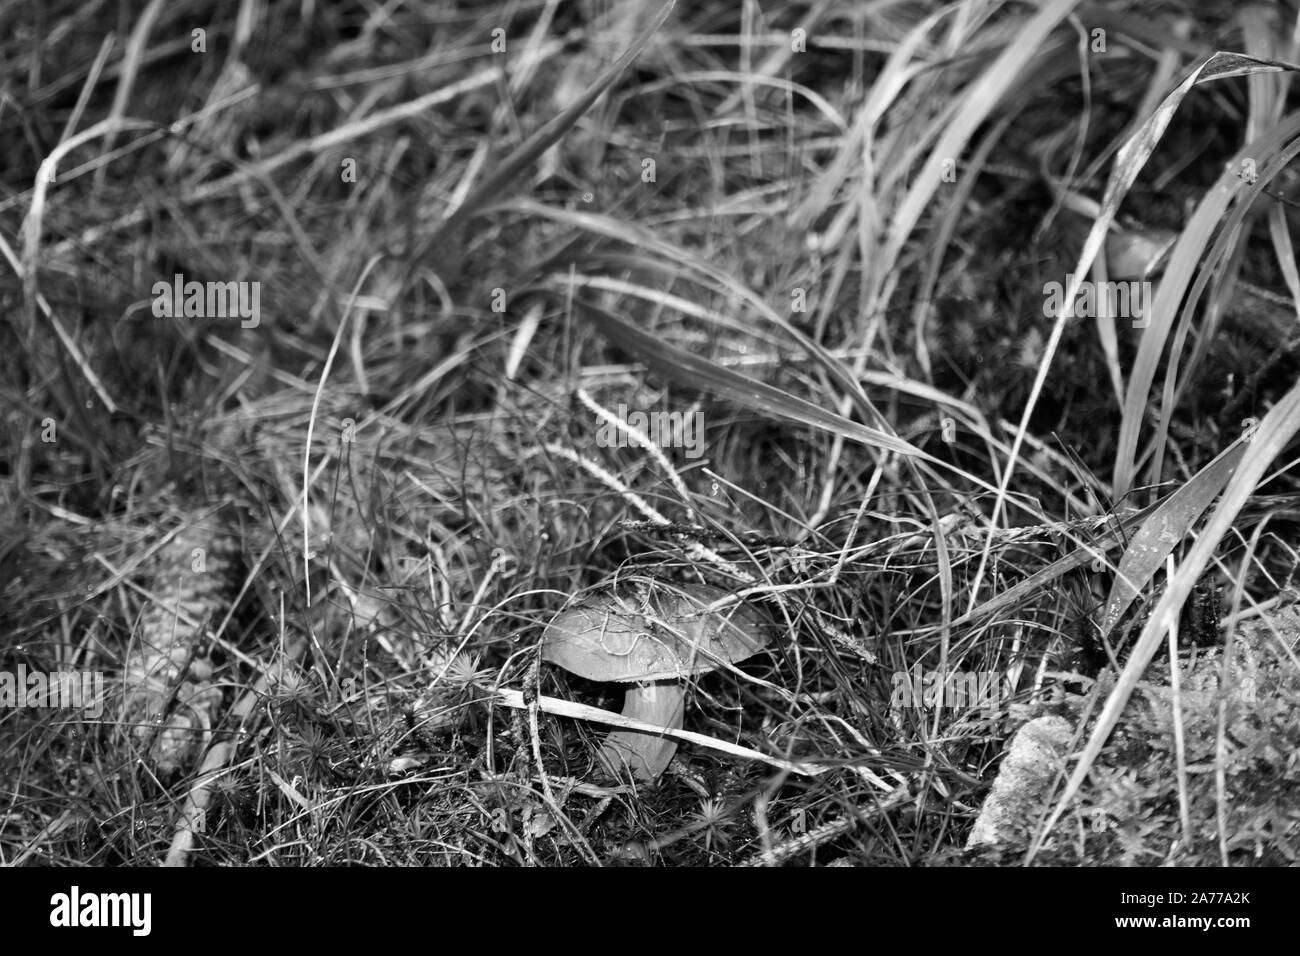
pixel 613 635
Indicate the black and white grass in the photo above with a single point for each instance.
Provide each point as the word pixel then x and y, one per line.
pixel 931 348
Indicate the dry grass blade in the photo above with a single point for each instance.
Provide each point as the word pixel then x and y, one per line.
pixel 696 372
pixel 557 707
pixel 135 51
pixel 32 223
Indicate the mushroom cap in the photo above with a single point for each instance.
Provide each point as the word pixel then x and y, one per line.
pixel 615 634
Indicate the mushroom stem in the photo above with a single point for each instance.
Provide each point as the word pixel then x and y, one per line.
pixel 645 755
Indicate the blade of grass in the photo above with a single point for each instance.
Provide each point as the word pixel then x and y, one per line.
pixel 1285 252
pixel 559 707
pixel 693 371
pixel 1163 530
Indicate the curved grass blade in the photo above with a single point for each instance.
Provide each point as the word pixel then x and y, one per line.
pixel 1130 160
pixel 1272 152
pixel 695 372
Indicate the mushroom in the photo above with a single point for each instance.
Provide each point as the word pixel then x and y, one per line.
pixel 651 638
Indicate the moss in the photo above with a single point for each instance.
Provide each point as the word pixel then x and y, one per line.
pixel 1128 812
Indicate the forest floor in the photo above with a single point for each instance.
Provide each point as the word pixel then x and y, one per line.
pixel 957 344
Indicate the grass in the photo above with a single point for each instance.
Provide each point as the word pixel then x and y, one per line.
pixel 323 540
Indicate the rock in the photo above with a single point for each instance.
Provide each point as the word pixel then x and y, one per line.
pixel 1034 759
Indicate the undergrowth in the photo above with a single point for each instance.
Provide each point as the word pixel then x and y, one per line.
pixel 901 465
